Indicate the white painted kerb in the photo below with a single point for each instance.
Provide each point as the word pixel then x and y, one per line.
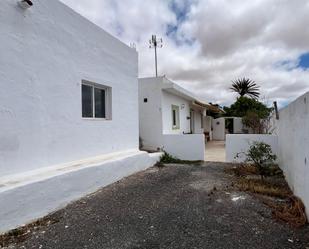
pixel 33 196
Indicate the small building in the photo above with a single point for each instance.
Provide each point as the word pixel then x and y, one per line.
pixel 68 109
pixel 171 119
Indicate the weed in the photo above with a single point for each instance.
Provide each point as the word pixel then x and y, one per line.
pixel 168 159
pixel 19 235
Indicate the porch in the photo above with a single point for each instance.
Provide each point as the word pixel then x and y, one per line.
pixel 215 151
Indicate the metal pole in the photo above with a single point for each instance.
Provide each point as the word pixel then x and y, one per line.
pixel 156 60
pixel 276 110
pixel 155 43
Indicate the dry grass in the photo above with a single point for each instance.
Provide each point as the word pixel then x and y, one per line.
pixel 243 170
pixel 264 187
pixel 292 212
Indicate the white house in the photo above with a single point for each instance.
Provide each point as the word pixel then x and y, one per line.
pixel 67 89
pixel 171 119
pixel 222 126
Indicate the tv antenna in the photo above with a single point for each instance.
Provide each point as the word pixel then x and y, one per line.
pixel 133 45
pixel 156 43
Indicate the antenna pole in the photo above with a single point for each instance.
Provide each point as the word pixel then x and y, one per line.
pixel 156 61
pixel 156 43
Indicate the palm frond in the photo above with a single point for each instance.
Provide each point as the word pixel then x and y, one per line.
pixel 246 87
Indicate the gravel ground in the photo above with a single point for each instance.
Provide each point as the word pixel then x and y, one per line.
pixel 178 206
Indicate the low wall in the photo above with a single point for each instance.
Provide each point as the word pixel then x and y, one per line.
pixel 185 147
pixel 236 143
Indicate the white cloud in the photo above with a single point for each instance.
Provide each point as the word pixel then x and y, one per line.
pixel 228 39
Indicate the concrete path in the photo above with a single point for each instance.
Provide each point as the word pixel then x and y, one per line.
pixel 178 206
pixel 215 151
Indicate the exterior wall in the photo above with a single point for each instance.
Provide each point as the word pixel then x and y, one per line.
pixel 237 143
pixel 292 129
pixel 185 147
pixel 218 129
pixel 168 100
pixel 238 125
pixel 208 125
pixel 45 53
pixel 198 125
pixel 150 113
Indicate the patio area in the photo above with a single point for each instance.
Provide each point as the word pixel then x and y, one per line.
pixel 215 151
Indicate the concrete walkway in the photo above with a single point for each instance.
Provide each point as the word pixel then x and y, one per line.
pixel 177 206
pixel 215 151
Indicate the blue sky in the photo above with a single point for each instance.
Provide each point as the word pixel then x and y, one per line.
pixel 181 10
pixel 209 43
pixel 304 61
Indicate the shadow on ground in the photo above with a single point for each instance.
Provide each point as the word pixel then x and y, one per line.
pixel 177 206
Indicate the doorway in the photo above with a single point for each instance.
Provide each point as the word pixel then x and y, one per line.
pixel 229 125
pixel 192 124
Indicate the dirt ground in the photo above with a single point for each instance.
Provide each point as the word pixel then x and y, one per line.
pixel 178 206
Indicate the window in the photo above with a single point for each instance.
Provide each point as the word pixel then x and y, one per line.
pixel 96 101
pixel 99 98
pixel 175 117
pixel 145 100
pixel 202 120
pixel 87 101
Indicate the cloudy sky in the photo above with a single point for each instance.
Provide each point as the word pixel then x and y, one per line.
pixel 209 43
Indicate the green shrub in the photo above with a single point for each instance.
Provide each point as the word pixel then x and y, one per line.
pixel 261 156
pixel 167 158
pixel 243 105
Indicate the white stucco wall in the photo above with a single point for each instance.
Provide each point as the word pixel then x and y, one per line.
pixel 208 125
pixel 150 113
pixel 45 53
pixel 168 100
pixel 238 125
pixel 198 125
pixel 238 143
pixel 218 129
pixel 292 129
pixel 185 147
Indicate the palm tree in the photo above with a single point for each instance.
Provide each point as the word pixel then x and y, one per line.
pixel 246 87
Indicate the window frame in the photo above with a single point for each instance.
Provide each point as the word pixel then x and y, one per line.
pixel 177 116
pixel 108 99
